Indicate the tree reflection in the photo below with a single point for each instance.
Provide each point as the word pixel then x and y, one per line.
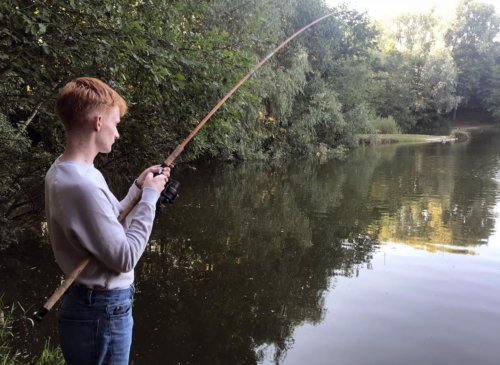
pixel 443 196
pixel 248 252
pixel 243 260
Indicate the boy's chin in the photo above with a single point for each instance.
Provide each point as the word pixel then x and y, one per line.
pixel 105 151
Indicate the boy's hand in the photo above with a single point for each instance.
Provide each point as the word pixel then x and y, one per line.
pixel 155 169
pixel 158 182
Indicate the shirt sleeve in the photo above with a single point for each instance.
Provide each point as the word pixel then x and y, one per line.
pixel 96 226
pixel 133 191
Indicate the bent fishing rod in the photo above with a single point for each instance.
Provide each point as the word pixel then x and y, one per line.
pixel 58 293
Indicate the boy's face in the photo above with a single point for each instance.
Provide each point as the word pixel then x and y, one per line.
pixel 107 131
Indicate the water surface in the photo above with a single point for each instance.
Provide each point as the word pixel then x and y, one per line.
pixel 389 257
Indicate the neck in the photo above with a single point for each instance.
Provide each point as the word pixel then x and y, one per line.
pixel 79 149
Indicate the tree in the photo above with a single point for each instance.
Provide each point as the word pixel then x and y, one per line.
pixel 439 79
pixel 472 39
pixel 415 77
pixel 394 92
pixel 491 87
pixel 415 33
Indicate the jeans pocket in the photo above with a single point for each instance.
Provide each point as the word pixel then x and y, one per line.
pixel 79 340
pixel 119 309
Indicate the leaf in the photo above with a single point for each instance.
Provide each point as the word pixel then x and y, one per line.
pixel 42 28
pixel 187 62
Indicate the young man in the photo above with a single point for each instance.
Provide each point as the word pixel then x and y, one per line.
pixel 95 316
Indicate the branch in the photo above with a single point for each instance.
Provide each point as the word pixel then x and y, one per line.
pixel 28 121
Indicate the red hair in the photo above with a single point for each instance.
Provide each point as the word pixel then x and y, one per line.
pixel 83 95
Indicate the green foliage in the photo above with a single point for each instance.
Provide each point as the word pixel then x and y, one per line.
pixel 386 125
pixel 439 79
pixel 295 107
pixel 415 33
pixel 322 117
pixel 461 135
pixel 415 77
pixel 50 355
pixel 473 40
pixel 491 94
pixel 20 182
pixel 394 88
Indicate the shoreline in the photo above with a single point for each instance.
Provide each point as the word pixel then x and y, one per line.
pixel 384 139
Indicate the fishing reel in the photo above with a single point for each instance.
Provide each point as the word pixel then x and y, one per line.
pixel 169 193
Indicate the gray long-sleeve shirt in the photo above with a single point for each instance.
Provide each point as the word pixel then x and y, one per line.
pixel 82 216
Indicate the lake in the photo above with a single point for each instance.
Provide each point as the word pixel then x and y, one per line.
pixel 391 256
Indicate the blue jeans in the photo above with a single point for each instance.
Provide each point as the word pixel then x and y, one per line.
pixel 95 326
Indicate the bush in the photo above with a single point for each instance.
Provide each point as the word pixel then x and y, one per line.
pixel 461 135
pixel 386 125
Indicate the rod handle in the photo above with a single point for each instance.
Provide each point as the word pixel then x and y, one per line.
pixel 58 293
pixel 171 158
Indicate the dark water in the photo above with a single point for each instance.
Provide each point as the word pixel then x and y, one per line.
pixel 389 257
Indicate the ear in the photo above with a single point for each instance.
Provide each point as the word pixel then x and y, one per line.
pixel 97 122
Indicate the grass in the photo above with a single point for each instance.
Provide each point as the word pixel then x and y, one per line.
pixel 7 356
pixel 49 356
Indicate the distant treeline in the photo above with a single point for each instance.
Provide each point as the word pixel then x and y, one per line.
pixel 173 60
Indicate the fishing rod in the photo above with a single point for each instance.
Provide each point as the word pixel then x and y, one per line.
pixel 40 314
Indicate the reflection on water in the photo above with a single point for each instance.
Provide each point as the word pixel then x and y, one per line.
pixel 447 203
pixel 250 251
pixel 251 254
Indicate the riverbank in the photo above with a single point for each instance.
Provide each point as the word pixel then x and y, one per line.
pixel 10 322
pixel 28 274
pixel 460 133
pixel 378 139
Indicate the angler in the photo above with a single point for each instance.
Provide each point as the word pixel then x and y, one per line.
pixel 94 244
pixel 95 316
